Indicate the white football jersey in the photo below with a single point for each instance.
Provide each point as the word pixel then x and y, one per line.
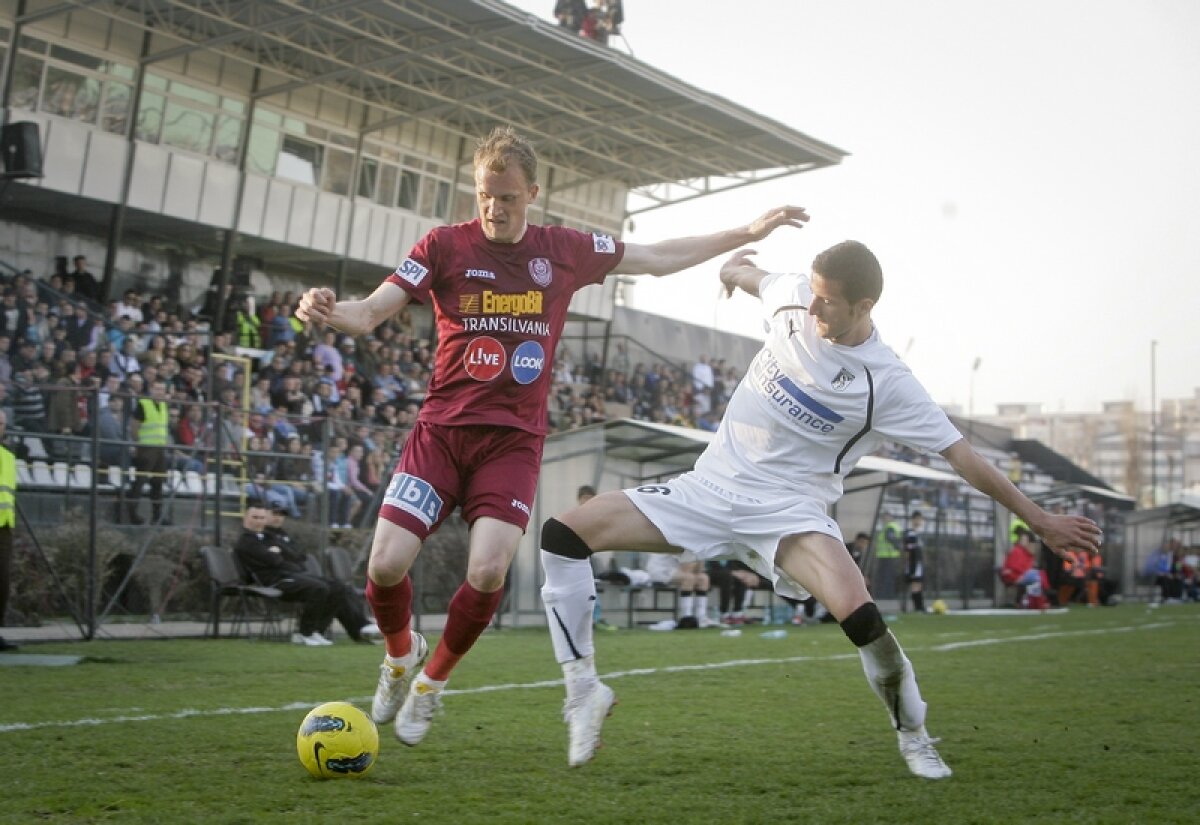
pixel 808 409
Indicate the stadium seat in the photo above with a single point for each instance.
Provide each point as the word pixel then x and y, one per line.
pixel 42 477
pixel 81 477
pixel 226 583
pixel 193 485
pixel 61 473
pixel 24 475
pixel 37 450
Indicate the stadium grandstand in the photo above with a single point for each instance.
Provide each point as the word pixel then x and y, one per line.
pixel 177 172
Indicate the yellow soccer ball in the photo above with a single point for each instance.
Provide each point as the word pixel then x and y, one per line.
pixel 336 740
pixel 939 607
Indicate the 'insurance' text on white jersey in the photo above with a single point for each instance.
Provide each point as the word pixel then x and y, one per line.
pixel 808 409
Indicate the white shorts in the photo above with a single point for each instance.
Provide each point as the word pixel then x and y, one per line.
pixel 709 522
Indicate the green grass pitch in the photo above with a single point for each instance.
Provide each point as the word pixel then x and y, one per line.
pixel 1086 717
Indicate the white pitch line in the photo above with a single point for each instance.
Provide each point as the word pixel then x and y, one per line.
pixel 189 713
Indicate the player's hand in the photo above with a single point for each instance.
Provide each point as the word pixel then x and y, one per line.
pixel 1063 532
pixel 738 264
pixel 316 306
pixel 779 216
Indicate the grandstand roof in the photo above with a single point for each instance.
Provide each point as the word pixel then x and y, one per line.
pixel 466 65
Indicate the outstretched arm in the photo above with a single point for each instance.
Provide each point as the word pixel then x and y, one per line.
pixel 665 257
pixel 1060 532
pixel 320 306
pixel 739 272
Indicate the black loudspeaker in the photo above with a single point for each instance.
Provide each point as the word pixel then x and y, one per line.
pixel 22 150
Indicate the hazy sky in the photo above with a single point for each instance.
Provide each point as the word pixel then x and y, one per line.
pixel 1028 173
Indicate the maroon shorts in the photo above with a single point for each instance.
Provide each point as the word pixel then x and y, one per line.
pixel 488 471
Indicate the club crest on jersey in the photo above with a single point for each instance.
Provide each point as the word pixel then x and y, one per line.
pixel 604 244
pixel 541 271
pixel 842 380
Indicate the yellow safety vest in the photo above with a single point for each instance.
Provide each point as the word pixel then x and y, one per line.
pixel 153 431
pixel 8 488
pixel 884 549
pixel 248 330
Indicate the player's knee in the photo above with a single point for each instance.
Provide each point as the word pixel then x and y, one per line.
pixel 561 540
pixel 864 625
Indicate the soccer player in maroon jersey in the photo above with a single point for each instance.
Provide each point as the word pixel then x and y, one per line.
pixel 500 289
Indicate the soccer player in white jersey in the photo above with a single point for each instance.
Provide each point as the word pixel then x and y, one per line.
pixel 823 392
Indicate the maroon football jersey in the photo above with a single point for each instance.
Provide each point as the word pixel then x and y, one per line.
pixel 500 310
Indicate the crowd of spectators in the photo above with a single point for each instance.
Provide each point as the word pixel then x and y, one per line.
pixel 59 347
pixel 658 391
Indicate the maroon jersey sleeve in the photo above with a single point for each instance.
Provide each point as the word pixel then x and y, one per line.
pixel 415 274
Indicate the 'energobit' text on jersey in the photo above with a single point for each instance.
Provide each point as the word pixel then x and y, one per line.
pixel 521 303
pixel 787 396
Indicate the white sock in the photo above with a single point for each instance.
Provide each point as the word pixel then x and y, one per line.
pixel 580 676
pixel 890 674
pixel 568 595
pixel 702 605
pixel 685 604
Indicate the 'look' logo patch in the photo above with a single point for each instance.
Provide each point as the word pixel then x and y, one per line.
pixel 484 358
pixel 529 359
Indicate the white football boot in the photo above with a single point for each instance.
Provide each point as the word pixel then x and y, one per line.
pixel 585 716
pixel 416 715
pixel 922 757
pixel 395 675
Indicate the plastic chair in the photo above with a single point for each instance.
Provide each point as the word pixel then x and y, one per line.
pixel 227 583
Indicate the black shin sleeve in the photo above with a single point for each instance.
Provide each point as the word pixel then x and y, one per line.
pixel 864 625
pixel 561 540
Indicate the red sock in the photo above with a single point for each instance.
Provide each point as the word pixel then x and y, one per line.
pixel 392 607
pixel 470 613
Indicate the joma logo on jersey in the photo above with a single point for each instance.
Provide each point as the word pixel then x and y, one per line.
pixel 414 496
pixel 485 274
pixel 522 303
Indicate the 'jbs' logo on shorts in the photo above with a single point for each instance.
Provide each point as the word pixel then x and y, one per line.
pixel 484 358
pixel 414 496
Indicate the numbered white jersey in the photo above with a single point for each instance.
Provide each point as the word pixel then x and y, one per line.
pixel 808 409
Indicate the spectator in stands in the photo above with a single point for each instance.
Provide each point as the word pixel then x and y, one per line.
pixel 357 486
pixel 570 14
pixel 130 305
pixel 6 366
pixel 333 467
pixel 888 547
pixel 150 420
pixel 84 282
pixel 702 385
pixel 270 559
pixel 28 403
pixel 63 413
pixel 115 434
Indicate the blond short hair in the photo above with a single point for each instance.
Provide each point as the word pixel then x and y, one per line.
pixel 504 146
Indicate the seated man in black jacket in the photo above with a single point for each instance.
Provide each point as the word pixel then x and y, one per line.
pixel 267 556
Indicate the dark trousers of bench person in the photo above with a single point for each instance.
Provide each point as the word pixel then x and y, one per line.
pixel 151 466
pixel 327 600
pixel 319 600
